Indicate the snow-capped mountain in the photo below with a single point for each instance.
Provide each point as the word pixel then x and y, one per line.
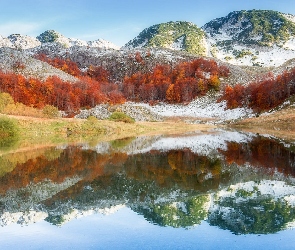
pixel 24 42
pixel 183 36
pixel 253 38
pixel 51 36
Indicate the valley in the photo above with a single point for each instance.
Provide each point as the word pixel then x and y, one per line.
pixel 172 71
pixel 182 137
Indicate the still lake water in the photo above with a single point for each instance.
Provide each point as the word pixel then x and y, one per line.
pixel 222 189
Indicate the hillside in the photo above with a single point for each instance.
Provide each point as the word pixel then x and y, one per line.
pixel 121 63
pixel 278 122
pixel 182 36
pixel 12 60
pixel 252 37
pixel 163 66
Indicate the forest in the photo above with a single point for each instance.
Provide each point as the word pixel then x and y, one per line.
pixel 183 83
pixel 264 94
pixel 164 83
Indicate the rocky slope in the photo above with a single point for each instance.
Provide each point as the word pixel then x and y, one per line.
pixel 12 60
pixel 120 63
pixel 256 37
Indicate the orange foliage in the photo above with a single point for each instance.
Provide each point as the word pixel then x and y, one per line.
pixel 72 162
pixel 261 95
pixel 67 65
pixel 181 84
pixel 98 73
pixel 53 91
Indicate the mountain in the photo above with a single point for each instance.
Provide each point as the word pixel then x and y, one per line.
pixel 24 42
pixel 184 36
pixel 52 36
pixel 255 37
pixel 248 38
pixel 19 49
pixel 242 38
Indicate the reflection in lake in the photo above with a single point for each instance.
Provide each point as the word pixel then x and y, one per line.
pixel 237 182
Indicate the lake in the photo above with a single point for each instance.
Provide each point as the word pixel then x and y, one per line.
pixel 222 189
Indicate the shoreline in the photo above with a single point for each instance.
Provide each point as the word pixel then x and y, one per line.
pixel 42 131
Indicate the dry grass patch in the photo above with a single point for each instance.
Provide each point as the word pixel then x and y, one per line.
pixel 280 124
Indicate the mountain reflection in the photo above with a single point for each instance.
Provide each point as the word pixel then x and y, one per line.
pixel 245 184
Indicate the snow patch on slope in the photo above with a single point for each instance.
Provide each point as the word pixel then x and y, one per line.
pixel 178 44
pixel 258 56
pixel 23 41
pixel 103 44
pixel 204 107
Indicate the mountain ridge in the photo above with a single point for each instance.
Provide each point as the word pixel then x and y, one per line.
pixel 246 37
pixel 250 38
pixel 218 40
pixel 24 42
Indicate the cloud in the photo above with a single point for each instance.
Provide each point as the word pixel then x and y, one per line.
pixel 29 28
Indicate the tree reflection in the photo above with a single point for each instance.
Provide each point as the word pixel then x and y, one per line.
pixel 184 214
pixel 262 215
pixel 176 188
pixel 262 152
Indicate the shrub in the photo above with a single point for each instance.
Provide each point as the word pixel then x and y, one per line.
pixel 21 109
pixel 121 117
pixel 93 126
pixel 50 111
pixel 9 131
pixel 5 99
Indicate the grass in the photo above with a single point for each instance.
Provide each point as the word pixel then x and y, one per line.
pixel 280 124
pixel 9 132
pixel 121 117
pixel 69 130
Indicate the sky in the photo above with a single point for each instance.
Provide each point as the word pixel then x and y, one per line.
pixel 117 21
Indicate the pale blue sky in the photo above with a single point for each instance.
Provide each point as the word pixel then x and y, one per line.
pixel 117 21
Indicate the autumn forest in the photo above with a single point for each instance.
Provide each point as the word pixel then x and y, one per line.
pixel 164 83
